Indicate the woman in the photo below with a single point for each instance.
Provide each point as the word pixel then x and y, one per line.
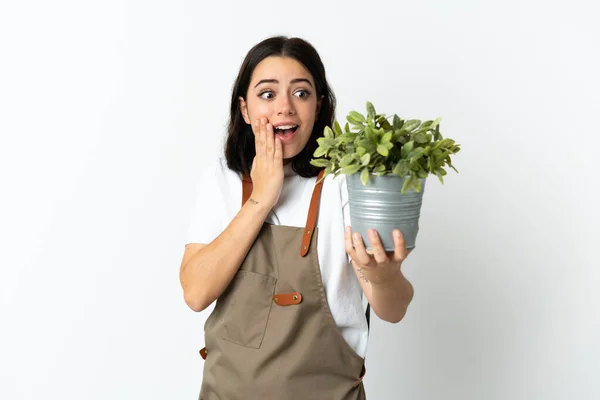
pixel 267 243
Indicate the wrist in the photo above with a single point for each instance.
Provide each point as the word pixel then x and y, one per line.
pixel 388 279
pixel 259 205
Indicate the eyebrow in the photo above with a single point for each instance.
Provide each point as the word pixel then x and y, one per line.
pixel 297 80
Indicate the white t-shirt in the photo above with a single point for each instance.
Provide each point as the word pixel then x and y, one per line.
pixel 219 199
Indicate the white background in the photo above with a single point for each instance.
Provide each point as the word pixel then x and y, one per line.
pixel 109 110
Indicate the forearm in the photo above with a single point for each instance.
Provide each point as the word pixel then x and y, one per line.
pixel 207 273
pixel 390 298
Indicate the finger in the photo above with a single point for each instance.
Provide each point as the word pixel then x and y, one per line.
pixel 400 251
pixel 360 252
pixel 260 139
pixel 378 249
pixel 348 242
pixel 278 155
pixel 269 140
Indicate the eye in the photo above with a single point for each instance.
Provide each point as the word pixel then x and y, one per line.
pixel 267 94
pixel 302 93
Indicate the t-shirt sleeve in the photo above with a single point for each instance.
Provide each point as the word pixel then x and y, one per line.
pixel 206 220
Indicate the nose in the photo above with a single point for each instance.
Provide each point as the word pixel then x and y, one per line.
pixel 285 106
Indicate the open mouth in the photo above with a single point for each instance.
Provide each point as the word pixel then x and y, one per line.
pixel 285 130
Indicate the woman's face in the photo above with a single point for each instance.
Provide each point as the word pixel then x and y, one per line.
pixel 283 91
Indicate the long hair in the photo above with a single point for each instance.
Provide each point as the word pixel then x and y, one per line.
pixel 239 145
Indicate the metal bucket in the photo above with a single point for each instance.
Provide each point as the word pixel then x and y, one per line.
pixel 381 205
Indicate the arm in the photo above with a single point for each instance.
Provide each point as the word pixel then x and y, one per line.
pixel 206 270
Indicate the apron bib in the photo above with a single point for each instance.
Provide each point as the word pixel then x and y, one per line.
pixel 271 334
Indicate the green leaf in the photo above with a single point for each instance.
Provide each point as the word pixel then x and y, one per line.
pixel 353 121
pixel 408 183
pixel 337 128
pixel 347 128
pixel 440 177
pixel 371 110
pixel 416 185
pixel 383 150
pixel 425 126
pixel 421 138
pixel 452 166
pixel 319 152
pixel 326 143
pixel 385 124
pixel 401 139
pixel 365 159
pixel 435 123
pixel 356 116
pixel 387 137
pixel 364 142
pixel 398 123
pixel 321 162
pixel 346 160
pixel 328 132
pixel 437 135
pixel 416 153
pixel 422 174
pixel 411 124
pixel 401 168
pixel 381 123
pixel 347 138
pixel 380 169
pixel 329 169
pixel 407 148
pixel 351 169
pixel 441 171
pixel 364 176
pixel 361 151
pixel 371 135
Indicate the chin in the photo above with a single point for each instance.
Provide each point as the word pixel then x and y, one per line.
pixel 289 154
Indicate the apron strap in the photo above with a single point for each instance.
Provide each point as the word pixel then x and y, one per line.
pixel 311 219
pixel 313 210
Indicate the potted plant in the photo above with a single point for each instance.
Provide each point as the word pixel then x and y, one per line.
pixel 387 161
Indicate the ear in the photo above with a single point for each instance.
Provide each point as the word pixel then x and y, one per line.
pixel 244 110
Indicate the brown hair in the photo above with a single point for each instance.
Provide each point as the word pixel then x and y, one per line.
pixel 239 145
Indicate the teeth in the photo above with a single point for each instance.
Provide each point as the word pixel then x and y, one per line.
pixel 286 127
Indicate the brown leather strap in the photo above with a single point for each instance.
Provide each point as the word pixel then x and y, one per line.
pixel 287 299
pixel 362 375
pixel 312 211
pixel 312 215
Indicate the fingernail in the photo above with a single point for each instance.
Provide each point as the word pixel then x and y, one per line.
pixel 356 236
pixel 397 234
